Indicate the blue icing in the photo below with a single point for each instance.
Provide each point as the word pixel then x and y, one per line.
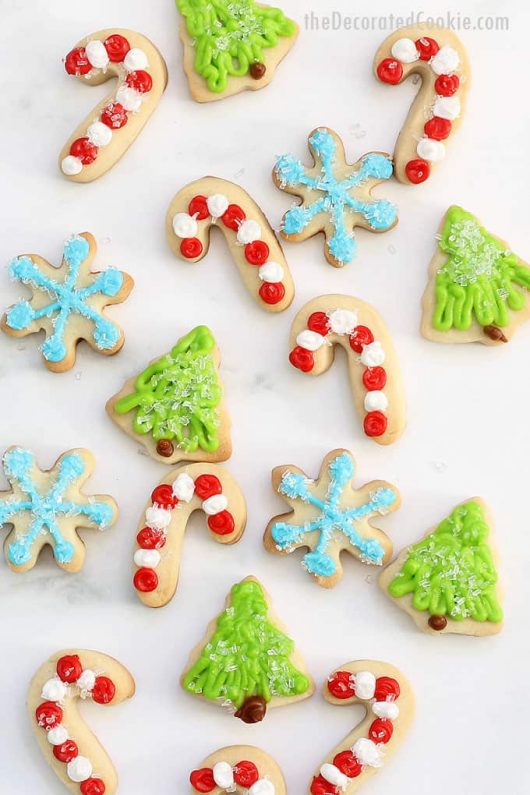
pixel 381 214
pixel 331 517
pixel 65 298
pixel 342 246
pixel 46 508
pixel 377 166
pixel 289 170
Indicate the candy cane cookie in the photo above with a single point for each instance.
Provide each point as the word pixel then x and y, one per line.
pixel 112 126
pixel 439 58
pixel 240 769
pixel 389 702
pixel 213 202
pixel 74 753
pixel 158 550
pixel 358 328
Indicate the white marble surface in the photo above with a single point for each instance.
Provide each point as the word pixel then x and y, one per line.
pixel 468 406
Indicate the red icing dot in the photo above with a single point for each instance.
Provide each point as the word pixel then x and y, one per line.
pixel 84 150
pixel 66 752
pixel 114 116
pixel 386 689
pixel 148 538
pixel 318 321
pixel 221 523
pixel 246 774
pixel 417 171
pixel 92 786
pixel 104 690
pixel 360 336
pixel 446 85
pixel 141 81
pixel 374 378
pixel 319 786
pixel 437 128
pixel 117 47
pixel 77 63
pixel 272 293
pixel 191 247
pixel 163 495
pixel 381 730
pixel 207 485
pixel 146 580
pixel 48 714
pixel 375 423
pixel 347 763
pixel 341 685
pixel 69 668
pixel 233 217
pixel 427 48
pixel 202 780
pixel 390 71
pixel 302 359
pixel 257 252
pixel 198 206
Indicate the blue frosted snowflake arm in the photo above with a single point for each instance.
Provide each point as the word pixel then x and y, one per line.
pixel 380 214
pixel 341 471
pixel 380 502
pixel 295 485
pixel 285 535
pixel 298 218
pixel 18 464
pixel 54 348
pixel 373 166
pixel 320 564
pixel 324 148
pixel 289 171
pixel 106 333
pixel 24 270
pixel 107 282
pixel 98 513
pixel 9 509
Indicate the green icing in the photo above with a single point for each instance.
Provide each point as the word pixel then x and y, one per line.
pixel 230 35
pixel 451 572
pixel 247 655
pixel 480 279
pixel 177 396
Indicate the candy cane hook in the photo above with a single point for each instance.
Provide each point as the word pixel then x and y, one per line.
pixel 389 703
pixel 442 63
pixel 211 201
pixel 111 127
pixel 74 753
pixel 240 769
pixel 205 487
pixel 343 320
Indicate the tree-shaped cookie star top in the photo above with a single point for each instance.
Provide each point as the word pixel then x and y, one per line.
pixel 328 515
pixel 67 303
pixel 46 507
pixel 336 197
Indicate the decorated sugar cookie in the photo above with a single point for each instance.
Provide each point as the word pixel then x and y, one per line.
pixel 112 126
pixel 389 703
pixel 175 406
pixel 213 202
pixel 205 487
pixel 69 746
pixel 448 581
pixel 241 769
pixel 478 289
pixel 442 64
pixel 261 670
pixel 328 516
pixel 336 197
pixel 67 303
pixel 48 507
pixel 232 45
pixel 372 362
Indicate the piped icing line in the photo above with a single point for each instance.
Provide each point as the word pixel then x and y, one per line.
pixel 211 201
pixel 142 78
pixel 242 777
pixel 204 487
pixel 442 64
pixel 73 751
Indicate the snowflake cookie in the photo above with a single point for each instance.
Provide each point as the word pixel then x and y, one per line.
pixel 67 303
pixel 336 197
pixel 48 506
pixel 328 515
pixel 240 769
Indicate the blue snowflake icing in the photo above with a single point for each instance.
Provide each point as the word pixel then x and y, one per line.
pixel 336 197
pixel 66 299
pixel 332 517
pixel 46 509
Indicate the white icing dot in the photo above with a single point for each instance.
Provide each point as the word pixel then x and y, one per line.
pixel 262 787
pixel 99 134
pixel 71 165
pixel 386 709
pixel 217 205
pixel 367 752
pixel 223 775
pixel 310 340
pixel 57 735
pixel 129 98
pixel 447 108
pixel 97 54
pixel 430 150
pixel 135 59
pixel 364 684
pixel 150 558
pixel 87 680
pixel 184 225
pixel 373 354
pixel 248 232
pixel 271 272
pixel 183 487
pixel 445 61
pixel 342 321
pixel 375 401
pixel 54 689
pixel 405 50
pixel 157 518
pixel 79 769
pixel 334 775
pixel 215 504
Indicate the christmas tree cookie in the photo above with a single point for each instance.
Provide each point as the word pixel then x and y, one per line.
pixel 448 581
pixel 246 661
pixel 175 406
pixel 232 45
pixel 478 288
